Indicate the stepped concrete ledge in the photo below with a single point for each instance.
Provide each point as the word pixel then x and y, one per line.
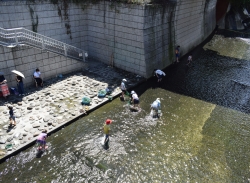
pixel 57 104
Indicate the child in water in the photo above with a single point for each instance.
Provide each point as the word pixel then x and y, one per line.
pixel 106 130
pixel 41 140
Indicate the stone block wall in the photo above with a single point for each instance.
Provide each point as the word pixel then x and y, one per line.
pixel 157 38
pixel 194 21
pixel 136 38
pixel 46 16
pixel 26 59
pixel 115 34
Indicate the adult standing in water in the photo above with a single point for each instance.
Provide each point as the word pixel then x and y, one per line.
pixel 19 80
pixel 38 78
pixel 4 87
pixel 177 53
pixel 123 87
pixel 106 130
pixel 159 74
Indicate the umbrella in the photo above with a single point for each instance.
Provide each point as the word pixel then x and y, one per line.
pixel 18 73
pixel 1 73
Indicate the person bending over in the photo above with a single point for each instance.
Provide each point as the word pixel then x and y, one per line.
pixel 159 74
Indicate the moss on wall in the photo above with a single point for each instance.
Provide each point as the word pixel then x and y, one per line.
pixel 34 19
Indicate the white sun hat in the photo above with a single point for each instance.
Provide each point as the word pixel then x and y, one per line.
pixel 124 80
pixel 133 92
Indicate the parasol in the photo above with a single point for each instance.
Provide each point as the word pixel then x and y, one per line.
pixel 18 73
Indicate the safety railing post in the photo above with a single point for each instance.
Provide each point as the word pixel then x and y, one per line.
pixel 43 47
pixel 65 50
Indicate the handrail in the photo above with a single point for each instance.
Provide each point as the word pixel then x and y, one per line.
pixel 17 36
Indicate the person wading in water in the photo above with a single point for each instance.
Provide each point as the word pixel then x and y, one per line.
pixel 106 130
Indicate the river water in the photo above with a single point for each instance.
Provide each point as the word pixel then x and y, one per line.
pixel 202 136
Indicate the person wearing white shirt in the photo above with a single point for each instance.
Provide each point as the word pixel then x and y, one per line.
pixel 37 76
pixel 156 105
pixel 123 87
pixel 135 99
pixel 159 74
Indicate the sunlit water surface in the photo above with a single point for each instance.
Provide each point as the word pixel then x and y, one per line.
pixel 194 140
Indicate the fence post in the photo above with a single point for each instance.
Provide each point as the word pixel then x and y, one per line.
pixel 43 47
pixel 65 50
pixel 16 38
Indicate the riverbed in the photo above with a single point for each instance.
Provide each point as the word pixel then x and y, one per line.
pixel 202 136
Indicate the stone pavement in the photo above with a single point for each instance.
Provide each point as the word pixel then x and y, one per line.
pixel 57 103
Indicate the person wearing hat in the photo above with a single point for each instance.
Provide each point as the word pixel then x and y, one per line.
pixel 106 130
pixel 135 99
pixel 123 87
pixel 156 105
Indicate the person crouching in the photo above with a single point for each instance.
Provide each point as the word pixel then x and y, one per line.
pixel 41 140
pixel 155 106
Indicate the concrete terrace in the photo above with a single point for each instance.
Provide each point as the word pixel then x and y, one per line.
pixel 57 104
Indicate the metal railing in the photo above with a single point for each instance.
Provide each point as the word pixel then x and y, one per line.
pixel 20 36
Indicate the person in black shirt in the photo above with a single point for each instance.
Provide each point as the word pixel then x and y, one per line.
pixel 19 80
pixel 12 117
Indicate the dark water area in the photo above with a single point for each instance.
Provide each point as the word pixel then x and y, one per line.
pixel 202 136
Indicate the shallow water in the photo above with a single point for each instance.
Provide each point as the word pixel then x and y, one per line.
pixel 202 136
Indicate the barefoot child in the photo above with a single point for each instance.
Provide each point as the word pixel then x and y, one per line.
pixel 12 117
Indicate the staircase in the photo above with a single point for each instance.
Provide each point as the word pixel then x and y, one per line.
pixel 21 36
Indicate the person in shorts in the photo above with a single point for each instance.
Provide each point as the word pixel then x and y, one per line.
pixel 159 74
pixel 135 99
pixel 123 87
pixel 12 116
pixel 41 140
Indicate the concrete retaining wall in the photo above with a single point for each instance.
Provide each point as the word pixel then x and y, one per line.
pixel 194 21
pixel 46 16
pixel 136 38
pixel 26 59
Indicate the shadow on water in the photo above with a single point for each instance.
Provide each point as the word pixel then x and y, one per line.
pixel 221 80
